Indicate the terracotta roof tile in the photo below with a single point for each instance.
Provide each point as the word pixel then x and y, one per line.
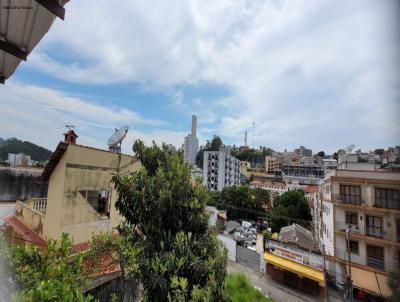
pixel 26 233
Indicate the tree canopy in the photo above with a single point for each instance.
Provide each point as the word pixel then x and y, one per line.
pixel 290 207
pixel 46 275
pixel 180 257
pixel 241 202
pixel 321 154
pixel 13 145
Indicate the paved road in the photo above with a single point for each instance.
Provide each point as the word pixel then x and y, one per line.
pixel 277 291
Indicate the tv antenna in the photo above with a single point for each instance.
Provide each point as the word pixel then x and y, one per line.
pixel 70 126
pixel 115 141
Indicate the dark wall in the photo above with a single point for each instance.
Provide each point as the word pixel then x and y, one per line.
pixel 21 184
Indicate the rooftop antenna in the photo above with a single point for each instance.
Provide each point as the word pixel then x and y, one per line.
pixel 70 126
pixel 115 141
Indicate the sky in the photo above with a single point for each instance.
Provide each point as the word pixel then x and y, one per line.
pixel 322 74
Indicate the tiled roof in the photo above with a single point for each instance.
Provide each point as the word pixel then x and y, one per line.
pixel 26 233
pixel 53 161
pixel 102 265
pixel 311 189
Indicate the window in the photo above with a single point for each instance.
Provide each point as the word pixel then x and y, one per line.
pixel 98 199
pixel 354 247
pixel 350 194
pixel 375 256
pixel 374 226
pixel 387 198
pixel 351 218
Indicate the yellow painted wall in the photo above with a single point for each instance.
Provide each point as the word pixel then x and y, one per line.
pixel 82 168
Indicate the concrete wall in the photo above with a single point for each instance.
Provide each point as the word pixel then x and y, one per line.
pixel 21 184
pixel 83 168
pixel 230 245
pixel 31 218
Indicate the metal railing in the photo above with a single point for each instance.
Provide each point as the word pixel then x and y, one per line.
pixel 366 231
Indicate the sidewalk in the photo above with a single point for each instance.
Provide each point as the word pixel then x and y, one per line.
pixel 278 291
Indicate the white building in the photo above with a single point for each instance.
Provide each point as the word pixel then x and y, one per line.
pixel 191 144
pixel 329 164
pixel 367 203
pixel 20 159
pixel 220 169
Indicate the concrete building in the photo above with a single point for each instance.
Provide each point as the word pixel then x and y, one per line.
pixel 19 160
pixel 365 202
pixel 303 152
pixel 273 165
pixel 329 164
pixel 80 198
pixel 191 144
pixel 220 169
pixel 303 174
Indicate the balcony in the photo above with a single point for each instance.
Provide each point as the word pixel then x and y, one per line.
pixel 32 213
pixel 361 230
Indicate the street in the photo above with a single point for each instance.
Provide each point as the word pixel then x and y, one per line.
pixel 278 291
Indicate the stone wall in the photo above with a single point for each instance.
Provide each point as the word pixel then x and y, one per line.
pixel 21 184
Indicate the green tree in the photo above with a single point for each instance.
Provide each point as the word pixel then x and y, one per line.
pixel 124 252
pixel 216 143
pixel 242 202
pixel 290 207
pixel 47 275
pixel 393 281
pixel 321 154
pixel 180 257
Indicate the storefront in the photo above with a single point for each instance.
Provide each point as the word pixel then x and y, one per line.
pixel 295 274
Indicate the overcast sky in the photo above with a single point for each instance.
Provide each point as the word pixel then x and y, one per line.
pixel 323 74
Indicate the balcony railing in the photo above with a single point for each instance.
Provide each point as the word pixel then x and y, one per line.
pixel 366 231
pixel 355 200
pixel 38 204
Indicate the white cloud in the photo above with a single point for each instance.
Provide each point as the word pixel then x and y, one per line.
pixel 307 72
pixel 39 115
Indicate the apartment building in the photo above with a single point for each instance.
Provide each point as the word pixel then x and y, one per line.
pixel 365 202
pixel 303 152
pixel 273 165
pixel 220 169
pixel 80 199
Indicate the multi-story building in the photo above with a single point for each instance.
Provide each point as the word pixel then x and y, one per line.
pixel 303 174
pixel 365 203
pixel 19 160
pixel 191 144
pixel 273 165
pixel 303 152
pixel 220 169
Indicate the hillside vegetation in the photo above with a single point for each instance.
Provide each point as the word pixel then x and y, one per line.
pixel 14 145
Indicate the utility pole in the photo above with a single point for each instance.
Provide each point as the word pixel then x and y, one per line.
pixel 349 282
pixel 325 274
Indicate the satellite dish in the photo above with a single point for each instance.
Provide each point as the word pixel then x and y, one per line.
pixel 115 141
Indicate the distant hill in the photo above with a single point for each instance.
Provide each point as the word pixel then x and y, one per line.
pixel 14 145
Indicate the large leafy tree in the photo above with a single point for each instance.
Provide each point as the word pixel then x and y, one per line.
pixel 46 275
pixel 241 202
pixel 290 207
pixel 180 258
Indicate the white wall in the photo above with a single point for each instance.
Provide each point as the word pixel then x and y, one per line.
pixel 328 227
pixel 230 244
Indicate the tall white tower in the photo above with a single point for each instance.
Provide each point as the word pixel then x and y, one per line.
pixel 191 144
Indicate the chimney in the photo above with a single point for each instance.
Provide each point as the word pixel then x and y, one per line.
pixel 70 137
pixel 194 125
